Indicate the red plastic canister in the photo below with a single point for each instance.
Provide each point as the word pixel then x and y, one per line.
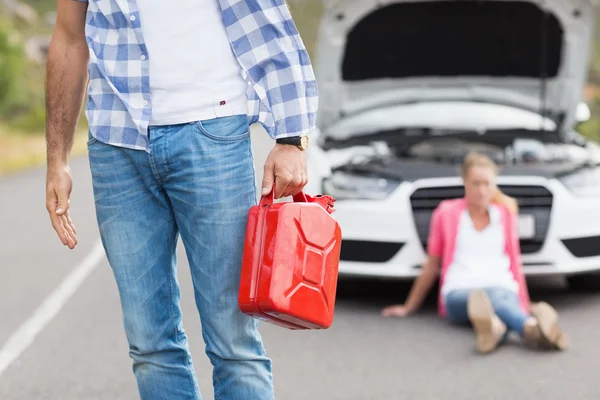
pixel 291 259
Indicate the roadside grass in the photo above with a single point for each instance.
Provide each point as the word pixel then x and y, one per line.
pixel 19 150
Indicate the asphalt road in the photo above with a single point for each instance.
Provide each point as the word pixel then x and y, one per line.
pixel 81 352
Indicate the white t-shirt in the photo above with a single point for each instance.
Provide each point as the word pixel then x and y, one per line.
pixel 194 74
pixel 480 259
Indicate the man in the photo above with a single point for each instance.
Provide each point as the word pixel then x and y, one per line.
pixel 170 154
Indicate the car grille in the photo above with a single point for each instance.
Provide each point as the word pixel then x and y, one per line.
pixel 533 200
pixel 369 251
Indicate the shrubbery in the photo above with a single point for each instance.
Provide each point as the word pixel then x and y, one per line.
pixel 13 72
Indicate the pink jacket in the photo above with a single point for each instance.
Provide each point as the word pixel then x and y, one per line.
pixel 442 243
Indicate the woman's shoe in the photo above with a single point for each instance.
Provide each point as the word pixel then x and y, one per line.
pixel 489 330
pixel 550 335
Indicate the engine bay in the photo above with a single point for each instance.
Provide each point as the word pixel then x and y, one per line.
pixel 410 154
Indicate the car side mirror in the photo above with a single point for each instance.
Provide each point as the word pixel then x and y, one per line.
pixel 583 113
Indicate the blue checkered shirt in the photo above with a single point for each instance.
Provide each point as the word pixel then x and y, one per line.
pixel 282 90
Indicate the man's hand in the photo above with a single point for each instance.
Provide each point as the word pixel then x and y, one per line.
pixel 286 167
pixel 58 191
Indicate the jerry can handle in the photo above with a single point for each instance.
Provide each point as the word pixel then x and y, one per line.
pixel 300 198
pixel 327 202
pixel 268 199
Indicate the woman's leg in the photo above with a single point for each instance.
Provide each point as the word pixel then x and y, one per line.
pixel 540 327
pixel 490 331
pixel 456 307
pixel 550 335
pixel 468 306
pixel 507 307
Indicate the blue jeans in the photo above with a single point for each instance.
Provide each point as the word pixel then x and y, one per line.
pixel 197 181
pixel 505 303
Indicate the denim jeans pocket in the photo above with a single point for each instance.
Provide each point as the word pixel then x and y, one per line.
pixel 230 128
pixel 91 139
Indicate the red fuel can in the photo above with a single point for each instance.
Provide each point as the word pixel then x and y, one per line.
pixel 291 259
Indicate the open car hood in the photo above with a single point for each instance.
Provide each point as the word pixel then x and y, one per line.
pixel 531 54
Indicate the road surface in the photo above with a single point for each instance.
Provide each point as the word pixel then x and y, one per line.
pixel 61 336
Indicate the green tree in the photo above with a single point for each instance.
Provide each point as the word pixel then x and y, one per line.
pixel 13 70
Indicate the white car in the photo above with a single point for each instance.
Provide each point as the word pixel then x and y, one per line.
pixel 408 87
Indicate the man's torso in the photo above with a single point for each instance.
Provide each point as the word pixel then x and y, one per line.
pixel 194 74
pixel 281 88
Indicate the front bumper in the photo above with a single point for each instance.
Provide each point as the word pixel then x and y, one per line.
pixel 381 239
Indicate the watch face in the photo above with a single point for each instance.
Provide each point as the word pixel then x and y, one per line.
pixel 304 142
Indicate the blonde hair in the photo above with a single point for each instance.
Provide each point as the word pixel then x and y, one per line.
pixel 476 159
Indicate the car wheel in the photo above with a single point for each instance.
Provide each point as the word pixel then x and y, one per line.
pixel 584 282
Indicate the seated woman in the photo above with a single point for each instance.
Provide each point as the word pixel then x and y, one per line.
pixel 473 246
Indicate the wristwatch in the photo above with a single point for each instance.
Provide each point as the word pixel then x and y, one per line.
pixel 300 142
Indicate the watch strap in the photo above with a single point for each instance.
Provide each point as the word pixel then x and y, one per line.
pixel 293 140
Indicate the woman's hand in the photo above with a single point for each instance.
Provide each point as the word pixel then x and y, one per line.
pixel 418 291
pixel 396 311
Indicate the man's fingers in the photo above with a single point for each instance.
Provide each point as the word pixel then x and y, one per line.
pixel 71 223
pixel 294 182
pixel 65 228
pixel 63 201
pixel 60 231
pixel 55 219
pixel 61 222
pixel 286 167
pixel 70 230
pixel 286 180
pixel 268 179
pixel 281 184
pixel 295 185
pixel 58 190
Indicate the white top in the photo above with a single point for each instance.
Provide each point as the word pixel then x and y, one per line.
pixel 194 74
pixel 480 259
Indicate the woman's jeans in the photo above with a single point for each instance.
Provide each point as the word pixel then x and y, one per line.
pixel 505 303
pixel 197 181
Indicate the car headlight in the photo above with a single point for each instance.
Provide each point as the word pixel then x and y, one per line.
pixel 342 185
pixel 585 182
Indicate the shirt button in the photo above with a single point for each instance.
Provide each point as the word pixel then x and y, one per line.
pixel 142 57
pixel 145 102
pixel 132 17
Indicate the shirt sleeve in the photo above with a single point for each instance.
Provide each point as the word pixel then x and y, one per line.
pixel 270 50
pixel 435 241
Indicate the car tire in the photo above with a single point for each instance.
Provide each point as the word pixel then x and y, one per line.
pixel 589 282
